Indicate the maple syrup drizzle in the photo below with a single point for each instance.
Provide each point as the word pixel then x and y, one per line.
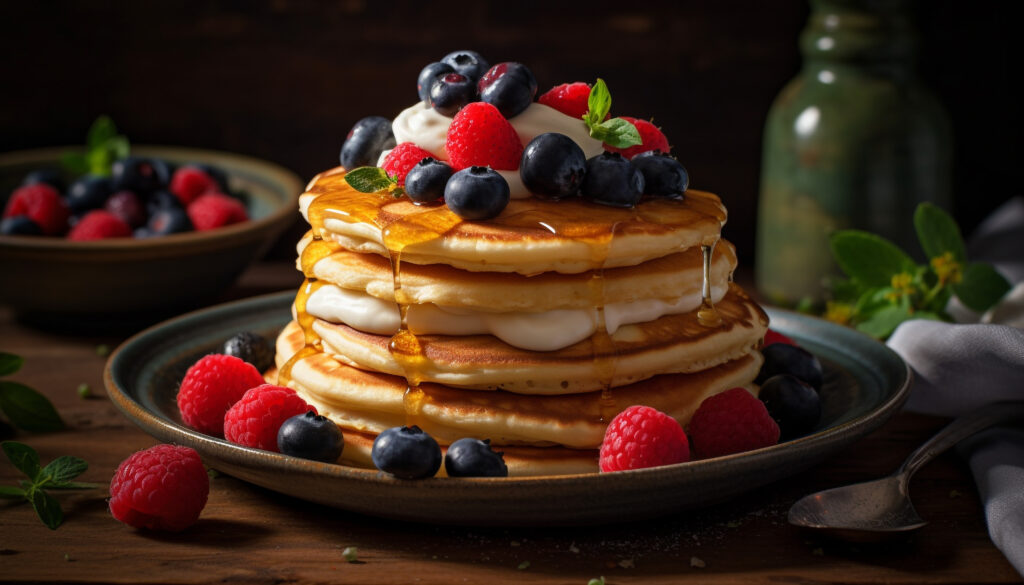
pixel 707 315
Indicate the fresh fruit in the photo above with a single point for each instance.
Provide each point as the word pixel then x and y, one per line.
pixel 162 199
pixel 127 206
pixel 19 225
pixel 477 193
pixel 793 404
pixel 165 221
pixel 553 166
pixel 510 87
pixel 164 487
pixel 474 458
pixel 214 210
pixel 640 437
pixel 51 177
pixel 450 92
pixel 189 182
pixel 406 453
pixel 612 180
pixel 99 224
pixel 663 175
pixel 426 181
pixel 427 76
pixel 569 98
pixel 216 173
pixel 252 348
pixel 256 418
pixel 650 135
pixel 781 358
pixel 210 387
pixel 468 63
pixel 731 422
pixel 401 159
pixel 480 136
pixel 43 205
pixel 365 142
pixel 89 192
pixel 310 436
pixel 772 336
pixel 140 174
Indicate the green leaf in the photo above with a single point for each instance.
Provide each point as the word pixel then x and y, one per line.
pixel 616 132
pixel 982 287
pixel 102 129
pixel 118 147
pixel 599 103
pixel 938 233
pixel 65 468
pixel 27 409
pixel 99 161
pixel 9 491
pixel 75 162
pixel 369 179
pixel 871 259
pixel 883 322
pixel 47 508
pixel 24 458
pixel 10 363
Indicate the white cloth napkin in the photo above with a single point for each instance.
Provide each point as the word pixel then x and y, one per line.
pixel 959 367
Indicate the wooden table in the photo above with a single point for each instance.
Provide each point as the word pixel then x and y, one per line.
pixel 251 535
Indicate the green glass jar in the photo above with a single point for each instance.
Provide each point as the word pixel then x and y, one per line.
pixel 854 141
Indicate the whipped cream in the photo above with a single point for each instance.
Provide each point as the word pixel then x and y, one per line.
pixel 541 331
pixel 427 129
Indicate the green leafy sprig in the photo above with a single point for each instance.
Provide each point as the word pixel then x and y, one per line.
pixel 24 407
pixel 615 132
pixel 57 475
pixel 103 146
pixel 885 287
pixel 373 180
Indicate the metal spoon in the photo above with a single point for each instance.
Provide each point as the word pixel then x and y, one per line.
pixel 875 510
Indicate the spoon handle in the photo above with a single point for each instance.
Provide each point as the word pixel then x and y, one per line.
pixel 961 428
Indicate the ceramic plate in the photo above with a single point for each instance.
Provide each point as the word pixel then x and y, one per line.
pixel 865 384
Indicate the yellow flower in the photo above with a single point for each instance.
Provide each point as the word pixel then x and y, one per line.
pixel 947 269
pixel 838 312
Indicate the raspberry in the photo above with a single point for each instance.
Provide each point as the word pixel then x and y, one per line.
pixel 127 206
pixel 161 488
pixel 255 419
pixel 641 436
pixel 402 158
pixel 731 422
pixel 43 205
pixel 569 98
pixel 99 225
pixel 189 182
pixel 214 210
pixel 479 136
pixel 773 336
pixel 650 135
pixel 210 387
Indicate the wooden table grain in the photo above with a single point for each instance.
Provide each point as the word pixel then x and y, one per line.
pixel 248 534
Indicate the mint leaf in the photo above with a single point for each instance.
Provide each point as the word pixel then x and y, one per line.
pixel 871 259
pixel 938 232
pixel 75 162
pixel 118 146
pixel 883 322
pixel 10 363
pixel 982 287
pixel 24 458
pixel 99 161
pixel 65 468
pixel 47 508
pixel 369 179
pixel 9 491
pixel 102 129
pixel 617 132
pixel 27 409
pixel 599 103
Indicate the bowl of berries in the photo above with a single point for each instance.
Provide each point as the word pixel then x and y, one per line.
pixel 106 231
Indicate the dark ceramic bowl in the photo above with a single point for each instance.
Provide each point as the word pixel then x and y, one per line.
pixel 56 278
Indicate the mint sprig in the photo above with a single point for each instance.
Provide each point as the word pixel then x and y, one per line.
pixel 885 287
pixel 57 475
pixel 103 146
pixel 24 407
pixel 615 132
pixel 373 180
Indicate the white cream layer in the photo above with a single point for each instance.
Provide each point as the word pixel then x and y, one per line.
pixel 543 331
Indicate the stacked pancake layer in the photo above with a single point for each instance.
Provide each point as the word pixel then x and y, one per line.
pixel 532 329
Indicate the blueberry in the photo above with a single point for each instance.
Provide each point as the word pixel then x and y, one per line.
pixel 477 193
pixel 468 63
pixel 427 76
pixel 140 174
pixel 51 177
pixel 782 358
pixel 406 452
pixel 127 206
pixel 612 180
pixel 792 403
pixel 159 200
pixel 311 436
pixel 474 458
pixel 365 141
pixel 425 182
pixel 250 347
pixel 553 166
pixel 89 192
pixel 19 225
pixel 510 87
pixel 166 221
pixel 450 92
pixel 664 176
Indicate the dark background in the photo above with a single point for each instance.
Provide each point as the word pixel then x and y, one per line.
pixel 284 80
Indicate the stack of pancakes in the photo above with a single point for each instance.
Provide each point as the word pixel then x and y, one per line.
pixel 532 329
